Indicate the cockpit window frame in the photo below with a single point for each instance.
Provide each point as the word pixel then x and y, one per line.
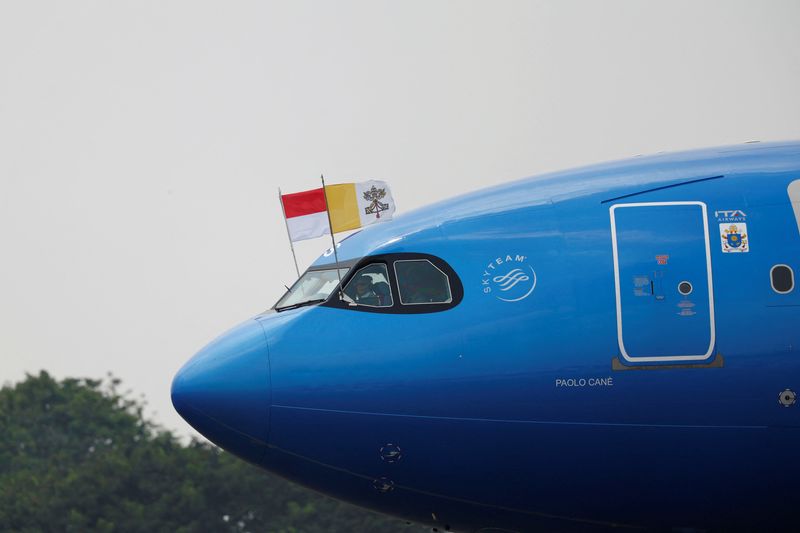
pixel 456 288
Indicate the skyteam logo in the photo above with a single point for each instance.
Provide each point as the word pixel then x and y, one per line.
pixel 509 278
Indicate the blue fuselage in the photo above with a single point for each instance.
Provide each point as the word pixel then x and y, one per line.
pixel 623 351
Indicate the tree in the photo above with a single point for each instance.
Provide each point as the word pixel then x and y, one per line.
pixel 76 455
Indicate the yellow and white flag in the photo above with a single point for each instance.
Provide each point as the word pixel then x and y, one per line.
pixel 355 205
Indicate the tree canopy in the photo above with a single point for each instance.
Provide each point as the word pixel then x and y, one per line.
pixel 77 455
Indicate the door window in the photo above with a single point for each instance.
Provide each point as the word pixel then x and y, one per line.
pixel 782 279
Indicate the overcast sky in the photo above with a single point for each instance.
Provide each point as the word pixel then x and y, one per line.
pixel 142 143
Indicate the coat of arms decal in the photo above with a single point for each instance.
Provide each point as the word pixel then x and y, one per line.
pixel 734 238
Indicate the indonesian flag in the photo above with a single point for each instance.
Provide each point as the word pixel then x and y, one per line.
pixel 351 206
pixel 305 214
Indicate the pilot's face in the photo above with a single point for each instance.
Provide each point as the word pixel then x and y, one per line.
pixel 362 287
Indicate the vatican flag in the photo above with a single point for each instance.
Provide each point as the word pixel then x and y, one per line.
pixel 355 205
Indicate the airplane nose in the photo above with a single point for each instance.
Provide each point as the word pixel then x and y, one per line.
pixel 224 391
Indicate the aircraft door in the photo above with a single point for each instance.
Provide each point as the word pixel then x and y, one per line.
pixel 663 282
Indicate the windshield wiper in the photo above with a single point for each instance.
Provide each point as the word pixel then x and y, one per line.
pixel 301 304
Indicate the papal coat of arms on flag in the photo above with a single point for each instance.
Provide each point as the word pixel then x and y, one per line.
pixel 734 238
pixel 374 196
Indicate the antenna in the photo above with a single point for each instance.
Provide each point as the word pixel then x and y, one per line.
pixel 291 245
pixel 333 240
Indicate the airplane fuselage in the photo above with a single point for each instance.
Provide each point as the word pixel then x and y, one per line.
pixel 621 346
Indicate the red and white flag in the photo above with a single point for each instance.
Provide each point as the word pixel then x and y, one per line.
pixel 306 214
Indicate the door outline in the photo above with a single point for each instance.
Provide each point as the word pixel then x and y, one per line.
pixel 620 341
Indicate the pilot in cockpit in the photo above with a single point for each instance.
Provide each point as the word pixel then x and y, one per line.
pixel 364 291
pixel 369 287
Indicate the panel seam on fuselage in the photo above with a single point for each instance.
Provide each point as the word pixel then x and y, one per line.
pixel 700 180
pixel 511 421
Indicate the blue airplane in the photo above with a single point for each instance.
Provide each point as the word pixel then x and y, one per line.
pixel 612 347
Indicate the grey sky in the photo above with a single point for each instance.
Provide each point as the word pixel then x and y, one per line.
pixel 142 143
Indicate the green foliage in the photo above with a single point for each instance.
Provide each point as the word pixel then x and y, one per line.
pixel 76 455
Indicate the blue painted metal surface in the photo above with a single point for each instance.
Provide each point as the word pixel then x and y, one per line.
pixel 517 408
pixel 224 391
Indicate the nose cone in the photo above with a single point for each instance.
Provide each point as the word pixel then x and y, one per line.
pixel 224 391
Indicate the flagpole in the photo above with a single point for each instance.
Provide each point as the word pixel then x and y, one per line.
pixel 291 245
pixel 333 240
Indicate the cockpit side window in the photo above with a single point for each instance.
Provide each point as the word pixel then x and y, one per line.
pixel 370 286
pixel 421 282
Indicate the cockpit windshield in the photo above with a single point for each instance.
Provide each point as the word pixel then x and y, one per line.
pixel 313 287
